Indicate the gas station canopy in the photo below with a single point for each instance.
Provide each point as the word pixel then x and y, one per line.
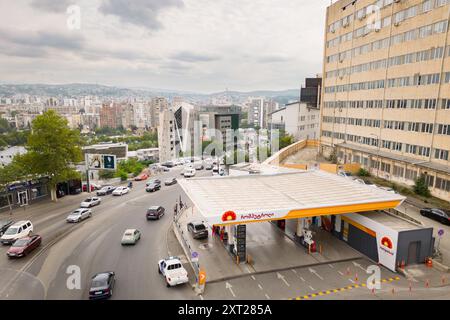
pixel 254 198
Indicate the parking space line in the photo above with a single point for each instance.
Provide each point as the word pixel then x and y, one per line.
pixel 260 287
pixel 267 297
pixel 346 288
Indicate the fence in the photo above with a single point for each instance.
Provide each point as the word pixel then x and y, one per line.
pixel 187 248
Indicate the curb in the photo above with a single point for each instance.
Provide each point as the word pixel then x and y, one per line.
pixel 441 267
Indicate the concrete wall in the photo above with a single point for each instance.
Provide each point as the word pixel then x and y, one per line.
pixel 425 247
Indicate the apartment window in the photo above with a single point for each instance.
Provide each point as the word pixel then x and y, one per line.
pixel 429 180
pixel 398 171
pixel 441 154
pixel 447 77
pixel 445 104
pixel 411 174
pixel 427 6
pixel 442 184
pixel 385 167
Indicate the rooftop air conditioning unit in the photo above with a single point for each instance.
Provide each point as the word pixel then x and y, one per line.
pixel 362 16
pixel 396 24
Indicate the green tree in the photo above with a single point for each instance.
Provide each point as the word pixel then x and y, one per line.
pixel 421 187
pixel 53 148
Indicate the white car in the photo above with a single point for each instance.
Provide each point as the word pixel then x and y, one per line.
pixel 18 230
pixel 387 189
pixel 131 236
pixel 120 191
pixel 90 202
pixel 189 172
pixel 173 271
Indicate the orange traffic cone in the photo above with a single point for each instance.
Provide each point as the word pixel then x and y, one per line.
pixel 427 283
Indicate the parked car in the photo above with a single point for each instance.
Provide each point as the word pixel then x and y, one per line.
pixel 131 236
pixel 189 173
pixel 79 215
pixel 153 181
pixel 198 229
pixel 168 164
pixel 171 181
pixel 360 181
pixel 105 190
pixel 17 231
pixel 199 166
pixel 173 271
pixel 390 190
pixel 155 186
pixel 24 246
pixel 4 225
pixel 208 166
pixel 141 177
pixel 102 285
pixel 345 174
pixel 120 191
pixel 90 202
pixel 440 215
pixel 94 187
pixel 155 213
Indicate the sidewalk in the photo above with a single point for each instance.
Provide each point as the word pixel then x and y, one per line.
pixel 269 248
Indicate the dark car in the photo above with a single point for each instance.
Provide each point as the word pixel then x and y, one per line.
pixel 24 246
pixel 198 230
pixel 4 225
pixel 168 164
pixel 152 187
pixel 153 181
pixel 170 181
pixel 102 285
pixel 105 190
pixel 440 215
pixel 155 213
pixel 209 167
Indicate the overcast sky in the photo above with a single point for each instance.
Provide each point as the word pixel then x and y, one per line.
pixel 191 45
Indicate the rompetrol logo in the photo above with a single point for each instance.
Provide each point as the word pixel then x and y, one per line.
pixel 229 216
pixel 387 242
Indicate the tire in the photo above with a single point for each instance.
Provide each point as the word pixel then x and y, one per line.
pixel 167 285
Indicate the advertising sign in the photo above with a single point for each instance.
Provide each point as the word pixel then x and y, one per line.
pixel 101 162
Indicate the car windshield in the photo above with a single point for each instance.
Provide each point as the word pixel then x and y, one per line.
pixel 129 233
pixel 75 213
pixel 11 231
pixel 99 283
pixel 151 211
pixel 200 227
pixel 174 266
pixel 105 188
pixel 88 200
pixel 21 243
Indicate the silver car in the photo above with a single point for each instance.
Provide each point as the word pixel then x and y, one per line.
pixel 79 215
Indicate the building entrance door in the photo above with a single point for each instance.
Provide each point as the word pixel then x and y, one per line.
pixel 22 198
pixel 413 252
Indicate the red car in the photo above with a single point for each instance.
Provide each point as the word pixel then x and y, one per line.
pixel 24 246
pixel 141 177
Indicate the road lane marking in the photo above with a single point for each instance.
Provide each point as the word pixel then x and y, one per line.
pixel 282 278
pixel 201 297
pixel 294 271
pixel 260 287
pixel 337 290
pixel 312 288
pixel 301 278
pixel 315 272
pixel 351 280
pixel 230 288
pixel 331 266
pixel 253 277
pixel 341 273
pixel 267 297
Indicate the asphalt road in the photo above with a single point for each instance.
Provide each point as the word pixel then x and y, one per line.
pixel 94 246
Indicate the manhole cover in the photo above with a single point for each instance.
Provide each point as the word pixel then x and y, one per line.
pixel 205 246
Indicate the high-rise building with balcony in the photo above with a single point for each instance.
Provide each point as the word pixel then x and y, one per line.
pixel 386 95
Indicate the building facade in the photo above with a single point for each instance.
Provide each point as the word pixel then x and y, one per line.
pixel 386 96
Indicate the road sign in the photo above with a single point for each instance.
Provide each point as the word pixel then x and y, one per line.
pixel 202 277
pixel 194 256
pixel 441 232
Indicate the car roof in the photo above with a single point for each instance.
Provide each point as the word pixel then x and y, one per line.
pixel 130 230
pixel 154 207
pixel 101 276
pixel 197 222
pixel 173 260
pixel 20 223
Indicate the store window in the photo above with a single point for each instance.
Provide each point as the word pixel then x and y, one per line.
pixel 4 200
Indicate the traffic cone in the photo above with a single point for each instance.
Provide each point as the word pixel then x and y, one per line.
pixel 427 283
pixel 393 290
pixel 410 287
pixel 444 280
pixel 356 277
pixel 373 290
pixel 348 271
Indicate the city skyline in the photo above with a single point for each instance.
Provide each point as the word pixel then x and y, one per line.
pixel 210 47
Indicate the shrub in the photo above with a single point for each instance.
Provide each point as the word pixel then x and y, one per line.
pixel 421 187
pixel 363 173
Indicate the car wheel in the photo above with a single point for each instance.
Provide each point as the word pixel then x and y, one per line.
pixel 167 284
pixel 110 293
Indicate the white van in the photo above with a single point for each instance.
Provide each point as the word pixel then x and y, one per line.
pixel 18 230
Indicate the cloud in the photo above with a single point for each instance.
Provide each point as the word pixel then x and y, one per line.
pixel 143 13
pixel 188 56
pixel 52 5
pixel 273 59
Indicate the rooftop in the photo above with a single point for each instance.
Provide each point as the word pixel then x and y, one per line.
pixel 254 198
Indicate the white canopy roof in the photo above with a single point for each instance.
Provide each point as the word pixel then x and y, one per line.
pixel 283 196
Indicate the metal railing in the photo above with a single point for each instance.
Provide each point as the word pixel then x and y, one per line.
pixel 187 248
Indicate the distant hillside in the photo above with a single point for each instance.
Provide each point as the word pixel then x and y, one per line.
pixel 76 90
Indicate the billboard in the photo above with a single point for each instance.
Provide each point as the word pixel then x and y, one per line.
pixel 101 162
